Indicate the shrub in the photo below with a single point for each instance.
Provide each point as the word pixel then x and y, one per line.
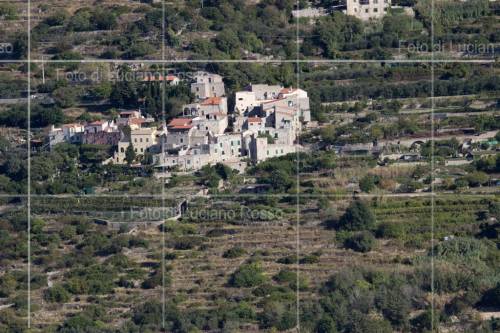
pixel 288 260
pixel 326 325
pixel 390 230
pixel 367 183
pixel 155 280
pixel 279 315
pixel 290 277
pixel 360 242
pixel 248 275
pixel 491 298
pixel 310 259
pixel 187 243
pixel 234 252
pixel 285 275
pixel 460 249
pixel 423 322
pixel 56 294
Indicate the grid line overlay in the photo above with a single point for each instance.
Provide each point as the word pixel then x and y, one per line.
pixel 297 228
pixel 298 195
pixel 163 87
pixel 256 61
pixel 433 105
pixel 29 163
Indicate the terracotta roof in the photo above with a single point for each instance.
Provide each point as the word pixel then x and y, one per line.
pixel 254 120
pixel 159 78
pixel 182 127
pixel 137 121
pixel 180 123
pixel 287 90
pixel 97 122
pixel 212 101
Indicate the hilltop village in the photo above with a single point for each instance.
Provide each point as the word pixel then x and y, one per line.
pixel 265 123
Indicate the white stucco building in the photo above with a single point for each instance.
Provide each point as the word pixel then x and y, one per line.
pixel 207 85
pixel 367 9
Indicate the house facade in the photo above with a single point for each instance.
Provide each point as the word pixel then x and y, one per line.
pixel 367 9
pixel 207 85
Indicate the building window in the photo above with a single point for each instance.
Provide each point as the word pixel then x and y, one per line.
pixel 140 139
pixel 135 140
pixel 147 139
pixel 122 150
pixel 375 10
pixel 385 9
pixel 367 10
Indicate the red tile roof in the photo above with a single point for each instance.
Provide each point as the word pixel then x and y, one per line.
pixel 159 78
pixel 212 101
pixel 137 121
pixel 180 123
pixel 287 90
pixel 254 120
pixel 96 123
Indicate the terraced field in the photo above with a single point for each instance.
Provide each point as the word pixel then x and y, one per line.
pixel 202 256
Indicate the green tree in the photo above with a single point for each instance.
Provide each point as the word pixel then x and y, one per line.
pixel 227 41
pixel 130 154
pixel 367 183
pixel 476 179
pixel 326 325
pixel 357 217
